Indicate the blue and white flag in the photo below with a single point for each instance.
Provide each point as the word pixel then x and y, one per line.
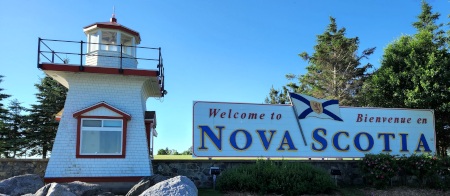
pixel 307 106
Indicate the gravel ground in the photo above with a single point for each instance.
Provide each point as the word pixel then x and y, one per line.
pixel 397 191
pixel 404 191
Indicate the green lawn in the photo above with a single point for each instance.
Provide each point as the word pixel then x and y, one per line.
pixel 208 192
pixel 189 157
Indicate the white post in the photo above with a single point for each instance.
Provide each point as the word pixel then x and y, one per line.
pixel 100 37
pixel 118 42
pixel 133 45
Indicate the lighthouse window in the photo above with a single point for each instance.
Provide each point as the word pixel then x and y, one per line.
pixel 126 42
pixel 109 40
pixel 93 40
pixel 101 137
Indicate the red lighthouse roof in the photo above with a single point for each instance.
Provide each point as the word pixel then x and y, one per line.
pixel 112 24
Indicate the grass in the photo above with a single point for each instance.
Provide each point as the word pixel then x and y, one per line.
pixel 189 157
pixel 351 191
pixel 208 192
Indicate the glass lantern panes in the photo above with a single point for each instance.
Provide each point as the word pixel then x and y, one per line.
pixel 109 40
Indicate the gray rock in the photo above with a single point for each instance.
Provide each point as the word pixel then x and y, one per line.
pixel 21 185
pixel 72 188
pixel 106 194
pixel 43 191
pixel 59 190
pixel 145 183
pixel 176 186
pixel 83 189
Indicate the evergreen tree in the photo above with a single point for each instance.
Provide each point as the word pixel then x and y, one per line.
pixel 11 136
pixel 334 70
pixel 3 118
pixel 427 22
pixel 41 123
pixel 415 73
pixel 277 96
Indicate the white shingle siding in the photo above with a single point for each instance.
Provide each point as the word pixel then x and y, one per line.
pixel 101 111
pixel 122 92
pixel 105 58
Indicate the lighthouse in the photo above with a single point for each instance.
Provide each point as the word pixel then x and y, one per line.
pixel 105 134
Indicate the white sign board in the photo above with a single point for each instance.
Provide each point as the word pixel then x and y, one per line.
pixel 261 130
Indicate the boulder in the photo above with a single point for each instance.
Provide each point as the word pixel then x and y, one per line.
pixel 72 188
pixel 106 194
pixel 145 183
pixel 43 191
pixel 176 186
pixel 21 185
pixel 56 189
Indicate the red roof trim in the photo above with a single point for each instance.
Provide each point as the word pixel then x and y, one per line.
pixel 110 25
pixel 96 69
pixel 102 104
pixel 94 179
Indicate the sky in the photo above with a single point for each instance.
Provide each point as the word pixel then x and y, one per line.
pixel 223 51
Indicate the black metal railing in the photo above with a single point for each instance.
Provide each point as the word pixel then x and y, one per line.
pixel 52 50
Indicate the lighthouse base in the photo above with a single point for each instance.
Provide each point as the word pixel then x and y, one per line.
pixel 117 188
pixel 116 185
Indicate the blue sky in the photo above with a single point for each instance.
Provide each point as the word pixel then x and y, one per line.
pixel 227 51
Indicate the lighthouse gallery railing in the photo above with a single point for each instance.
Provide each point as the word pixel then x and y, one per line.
pixel 63 51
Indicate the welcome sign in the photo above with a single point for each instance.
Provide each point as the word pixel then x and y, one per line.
pixel 262 130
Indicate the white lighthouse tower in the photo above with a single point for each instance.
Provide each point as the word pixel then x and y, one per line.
pixel 105 132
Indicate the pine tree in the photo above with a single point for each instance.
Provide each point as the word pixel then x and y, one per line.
pixel 427 22
pixel 334 70
pixel 3 110
pixel 12 137
pixel 3 118
pixel 277 96
pixel 41 123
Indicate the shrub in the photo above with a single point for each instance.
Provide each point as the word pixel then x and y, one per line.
pixel 378 169
pixel 444 172
pixel 431 171
pixel 287 178
pixel 421 166
pixel 424 167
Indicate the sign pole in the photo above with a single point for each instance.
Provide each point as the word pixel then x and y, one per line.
pixel 298 121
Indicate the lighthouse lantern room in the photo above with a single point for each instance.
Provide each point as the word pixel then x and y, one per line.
pixel 105 134
pixel 111 40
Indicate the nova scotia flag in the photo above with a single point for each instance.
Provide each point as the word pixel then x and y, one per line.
pixel 307 106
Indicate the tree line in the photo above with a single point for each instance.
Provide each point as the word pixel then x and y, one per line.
pixel 167 151
pixel 31 131
pixel 414 72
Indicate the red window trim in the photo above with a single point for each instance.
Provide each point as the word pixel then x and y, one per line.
pixel 124 139
pixel 101 104
pixel 124 117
